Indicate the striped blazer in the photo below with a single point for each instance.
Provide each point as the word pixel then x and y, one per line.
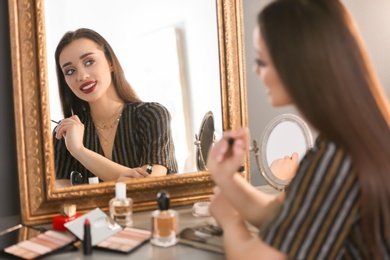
pixel 143 136
pixel 320 218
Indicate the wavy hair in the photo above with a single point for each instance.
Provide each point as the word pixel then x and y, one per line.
pixel 317 51
pixel 70 103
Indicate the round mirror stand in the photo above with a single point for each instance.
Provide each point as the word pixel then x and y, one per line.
pixel 204 140
pixel 283 128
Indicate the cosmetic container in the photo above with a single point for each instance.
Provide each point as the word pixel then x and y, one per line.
pixel 68 213
pixel 165 228
pixel 93 180
pixel 121 207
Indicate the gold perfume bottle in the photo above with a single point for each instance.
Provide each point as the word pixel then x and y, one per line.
pixel 165 228
pixel 121 207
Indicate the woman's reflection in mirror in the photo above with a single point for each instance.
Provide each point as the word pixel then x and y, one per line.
pixel 285 168
pixel 107 131
pixel 309 53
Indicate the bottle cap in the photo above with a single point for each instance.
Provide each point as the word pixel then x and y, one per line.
pixel 120 190
pixel 163 200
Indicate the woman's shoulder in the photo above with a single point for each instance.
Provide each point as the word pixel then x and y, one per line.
pixel 327 156
pixel 145 107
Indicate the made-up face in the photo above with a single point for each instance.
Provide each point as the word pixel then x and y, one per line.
pixel 265 69
pixel 86 70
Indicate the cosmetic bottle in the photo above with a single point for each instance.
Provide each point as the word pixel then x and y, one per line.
pixel 68 213
pixel 121 208
pixel 165 228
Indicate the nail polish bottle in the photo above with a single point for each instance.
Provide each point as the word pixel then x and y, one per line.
pixel 165 228
pixel 121 207
pixel 68 213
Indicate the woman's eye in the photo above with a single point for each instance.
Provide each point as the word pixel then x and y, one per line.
pixel 69 72
pixel 89 62
pixel 260 63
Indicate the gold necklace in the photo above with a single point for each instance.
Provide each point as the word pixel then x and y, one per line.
pixel 100 130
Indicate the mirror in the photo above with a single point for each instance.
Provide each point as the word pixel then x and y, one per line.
pixel 163 61
pixel 204 141
pixel 40 200
pixel 284 135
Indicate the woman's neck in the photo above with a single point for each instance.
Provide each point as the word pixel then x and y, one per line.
pixel 106 110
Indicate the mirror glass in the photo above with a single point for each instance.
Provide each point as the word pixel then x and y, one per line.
pixel 284 135
pixel 162 47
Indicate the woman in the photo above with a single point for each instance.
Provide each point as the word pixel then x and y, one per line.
pixel 107 131
pixel 338 204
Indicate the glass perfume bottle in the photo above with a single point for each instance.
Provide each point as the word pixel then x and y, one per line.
pixel 121 207
pixel 165 228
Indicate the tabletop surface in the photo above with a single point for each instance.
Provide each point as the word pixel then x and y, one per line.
pixel 147 251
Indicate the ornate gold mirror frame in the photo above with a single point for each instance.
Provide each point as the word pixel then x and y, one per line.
pixel 39 198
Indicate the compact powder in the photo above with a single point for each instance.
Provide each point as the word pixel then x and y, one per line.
pixel 39 245
pixel 21 252
pixel 126 240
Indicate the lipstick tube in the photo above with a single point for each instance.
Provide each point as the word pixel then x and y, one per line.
pixel 87 241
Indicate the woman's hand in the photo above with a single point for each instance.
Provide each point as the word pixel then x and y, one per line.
pixel 225 159
pixel 285 168
pixel 73 131
pixel 135 173
pixel 223 212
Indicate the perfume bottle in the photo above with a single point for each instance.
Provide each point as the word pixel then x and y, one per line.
pixel 121 208
pixel 165 228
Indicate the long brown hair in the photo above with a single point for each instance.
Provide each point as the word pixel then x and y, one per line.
pixel 70 103
pixel 317 51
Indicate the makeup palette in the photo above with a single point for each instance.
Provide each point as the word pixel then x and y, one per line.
pixel 107 234
pixel 126 240
pixel 102 226
pixel 28 243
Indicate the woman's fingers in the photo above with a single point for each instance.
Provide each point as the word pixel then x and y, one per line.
pixel 135 173
pixel 141 172
pixel 65 124
pixel 228 154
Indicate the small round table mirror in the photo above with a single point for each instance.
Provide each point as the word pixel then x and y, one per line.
pixel 204 140
pixel 284 142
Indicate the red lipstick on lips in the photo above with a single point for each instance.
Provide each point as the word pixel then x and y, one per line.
pixel 88 87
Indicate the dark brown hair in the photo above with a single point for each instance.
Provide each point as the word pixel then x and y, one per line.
pixel 320 58
pixel 70 103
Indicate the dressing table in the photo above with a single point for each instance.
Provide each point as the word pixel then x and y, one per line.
pixel 147 251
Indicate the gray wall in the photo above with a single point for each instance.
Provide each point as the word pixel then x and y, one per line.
pixel 9 195
pixel 373 20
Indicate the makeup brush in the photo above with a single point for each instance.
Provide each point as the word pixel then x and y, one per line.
pixel 55 121
pixel 230 141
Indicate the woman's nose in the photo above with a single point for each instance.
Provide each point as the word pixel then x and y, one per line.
pixel 82 75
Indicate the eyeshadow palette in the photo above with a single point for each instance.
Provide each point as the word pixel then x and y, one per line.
pixel 126 241
pixel 107 234
pixel 102 226
pixel 29 243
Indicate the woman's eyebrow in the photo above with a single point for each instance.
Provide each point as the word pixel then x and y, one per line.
pixel 81 57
